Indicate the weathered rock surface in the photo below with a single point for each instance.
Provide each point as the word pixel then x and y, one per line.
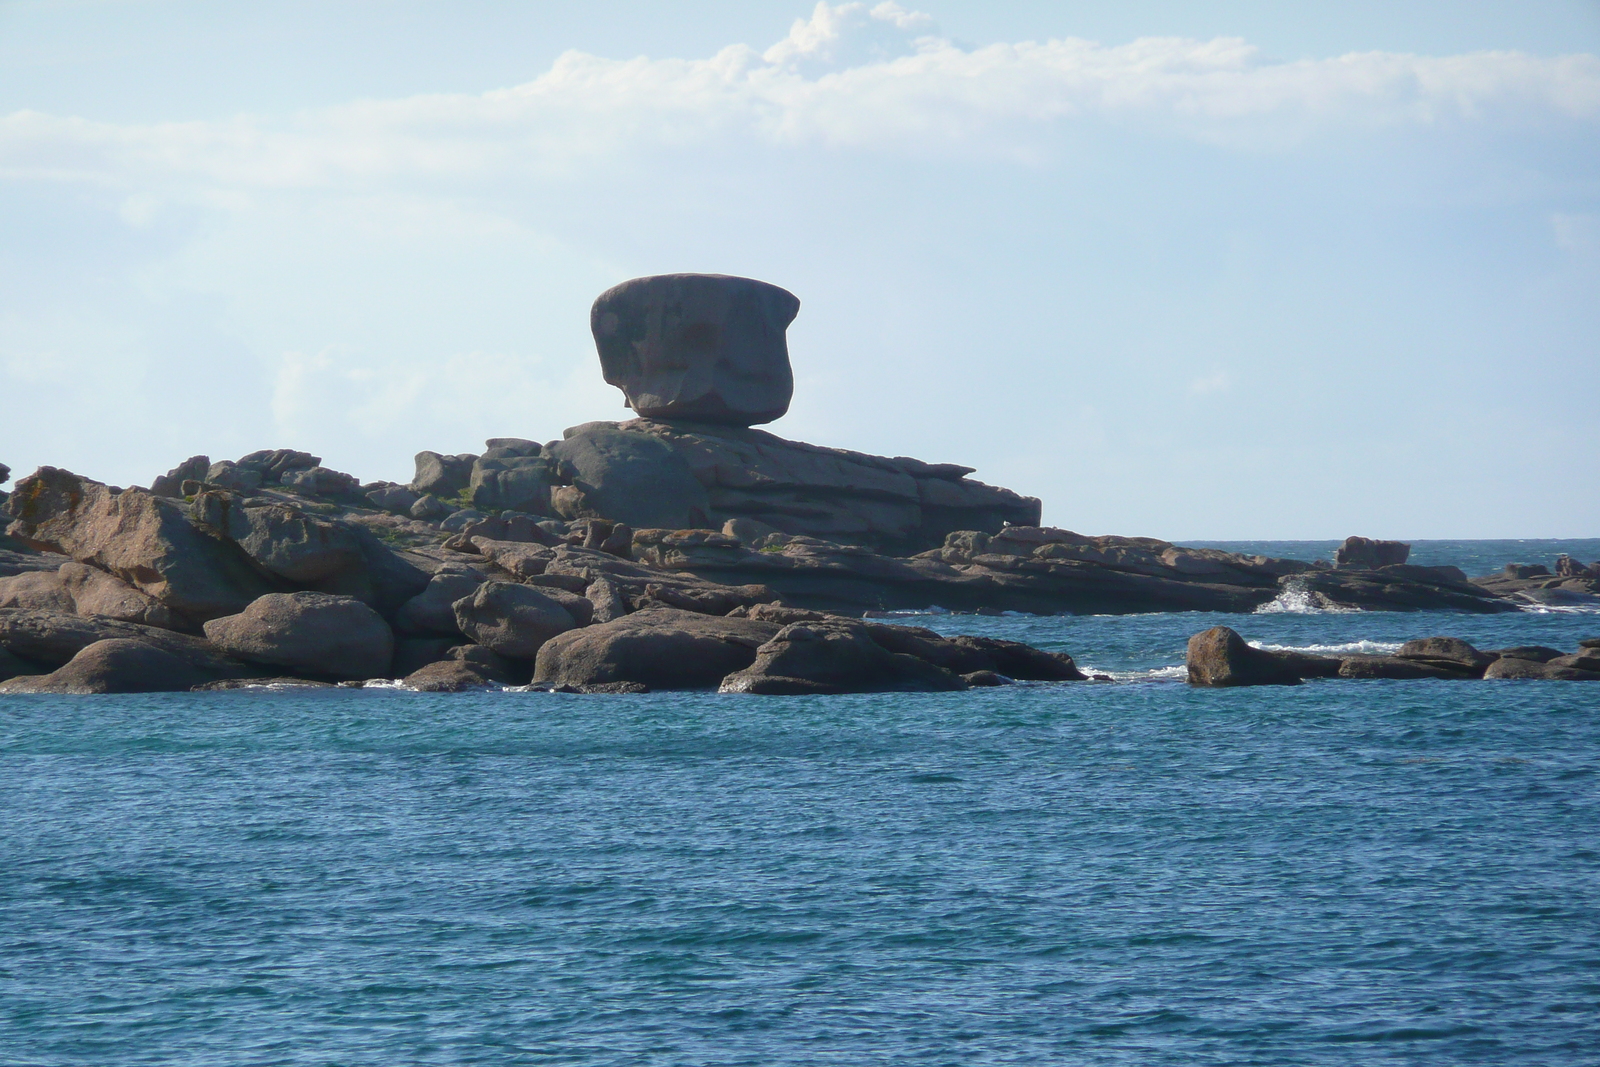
pixel 50 639
pixel 516 620
pixel 678 475
pixel 1395 667
pixel 1398 587
pixel 145 540
pixel 311 633
pixel 466 667
pixel 83 590
pixel 170 484
pixel 1219 657
pixel 432 611
pixel 1366 554
pixel 1507 668
pixel 11 666
pixel 116 665
pixel 282 540
pixel 707 347
pixel 663 648
pixel 836 657
pixel 1447 653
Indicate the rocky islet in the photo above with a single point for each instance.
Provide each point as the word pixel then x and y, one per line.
pixel 680 549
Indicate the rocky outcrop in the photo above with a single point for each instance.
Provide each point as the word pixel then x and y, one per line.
pixel 465 667
pixel 50 639
pixel 1366 554
pixel 76 588
pixel 145 540
pixel 115 665
pixel 662 648
pixel 1572 585
pixel 678 475
pixel 316 634
pixel 281 539
pixel 706 347
pixel 1399 587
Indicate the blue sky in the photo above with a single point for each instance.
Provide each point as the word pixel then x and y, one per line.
pixel 1226 270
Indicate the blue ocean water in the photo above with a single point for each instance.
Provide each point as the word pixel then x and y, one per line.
pixel 1095 873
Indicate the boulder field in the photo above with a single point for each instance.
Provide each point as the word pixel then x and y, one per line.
pixel 683 548
pixel 1220 658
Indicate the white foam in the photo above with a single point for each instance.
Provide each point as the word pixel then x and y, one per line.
pixel 1300 602
pixel 1152 674
pixel 1371 648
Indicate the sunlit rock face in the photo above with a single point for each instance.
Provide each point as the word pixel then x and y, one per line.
pixel 703 347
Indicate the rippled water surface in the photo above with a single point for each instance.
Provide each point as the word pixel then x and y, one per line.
pixel 1099 873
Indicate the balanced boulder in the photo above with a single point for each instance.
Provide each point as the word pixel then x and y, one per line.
pixel 705 347
pixel 311 633
pixel 1366 553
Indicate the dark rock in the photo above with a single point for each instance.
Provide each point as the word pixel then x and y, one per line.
pixel 80 589
pixel 430 508
pixel 432 611
pixel 1023 662
pixel 275 463
pixel 510 447
pixel 25 561
pixel 389 578
pixel 609 603
pixel 516 620
pixel 411 654
pixel 662 648
pixel 627 477
pixel 711 600
pixel 145 540
pixel 511 482
pixel 706 347
pixel 601 535
pixel 170 484
pixel 507 526
pixel 1567 567
pixel 1560 597
pixel 397 499
pixel 442 476
pixel 52 638
pixel 460 520
pixel 1394 667
pixel 1366 554
pixel 320 481
pixel 1399 587
pixel 1534 653
pixel 1528 669
pixel 310 633
pixel 226 474
pixel 1589 642
pixel 1586 660
pixel 1449 653
pixel 1220 657
pixel 11 666
pixel 5 474
pixel 282 540
pixel 465 667
pixel 835 657
pixel 1526 570
pixel 114 666
pixel 985 679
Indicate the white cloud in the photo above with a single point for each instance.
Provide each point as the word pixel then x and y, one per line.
pixel 871 79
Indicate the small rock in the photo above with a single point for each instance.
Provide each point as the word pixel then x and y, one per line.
pixel 170 484
pixel 441 475
pixel 320 481
pixel 1527 669
pixel 397 499
pixel 1393 667
pixel 229 475
pixel 433 610
pixel 1220 657
pixel 662 648
pixel 460 520
pixel 1533 653
pixel 837 657
pixel 430 508
pixel 985 679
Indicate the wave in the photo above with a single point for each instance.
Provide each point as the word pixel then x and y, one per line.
pixel 1301 602
pixel 1179 673
pixel 1370 648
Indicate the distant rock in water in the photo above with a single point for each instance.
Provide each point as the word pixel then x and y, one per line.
pixel 1365 553
pixel 707 347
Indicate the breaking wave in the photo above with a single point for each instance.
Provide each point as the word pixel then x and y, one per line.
pixel 1369 648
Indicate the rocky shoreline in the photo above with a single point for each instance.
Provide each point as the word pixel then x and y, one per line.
pixel 683 549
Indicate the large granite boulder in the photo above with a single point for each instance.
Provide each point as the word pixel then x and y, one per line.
pixel 706 347
pixel 315 634
pixel 146 540
pixel 115 665
pixel 629 477
pixel 836 656
pixel 52 638
pixel 284 541
pixel 441 475
pixel 663 648
pixel 516 620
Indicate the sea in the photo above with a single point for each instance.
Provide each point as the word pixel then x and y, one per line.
pixel 1127 872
